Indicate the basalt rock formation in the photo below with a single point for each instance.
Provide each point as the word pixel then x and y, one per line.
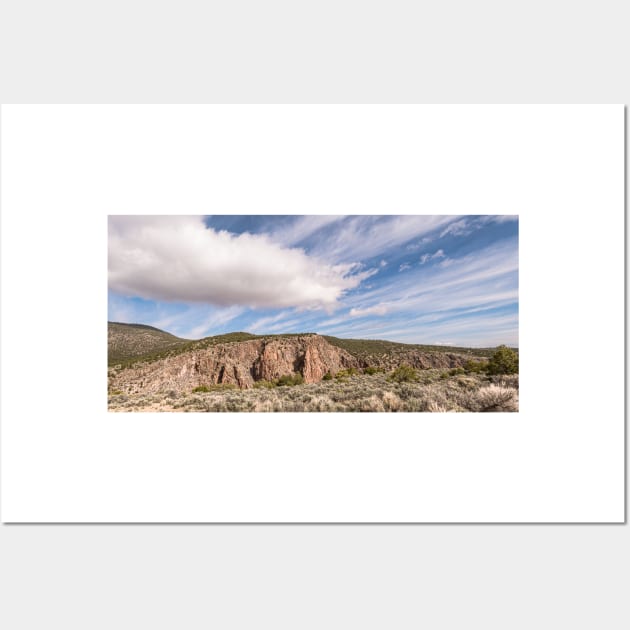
pixel 240 363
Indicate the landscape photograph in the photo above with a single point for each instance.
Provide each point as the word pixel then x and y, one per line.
pixel 313 313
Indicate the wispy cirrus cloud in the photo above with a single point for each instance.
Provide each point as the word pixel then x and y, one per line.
pixel 458 228
pixel 363 237
pixel 197 276
pixel 216 319
pixel 265 324
pixel 425 258
pixel 302 228
pixel 377 309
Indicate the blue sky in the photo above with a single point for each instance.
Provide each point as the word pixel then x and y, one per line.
pixel 448 280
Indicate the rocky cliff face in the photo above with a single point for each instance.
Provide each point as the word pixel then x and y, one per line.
pixel 245 362
pixel 240 363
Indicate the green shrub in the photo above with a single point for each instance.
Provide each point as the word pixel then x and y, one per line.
pixel 476 367
pixel 327 377
pixel 456 371
pixel 348 372
pixel 404 374
pixel 503 361
pixel 263 384
pixel 370 370
pixel 290 380
pixel 214 388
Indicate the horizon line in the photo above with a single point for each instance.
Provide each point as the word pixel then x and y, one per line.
pixel 230 332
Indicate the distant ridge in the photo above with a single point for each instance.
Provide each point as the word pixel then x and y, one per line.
pixel 134 344
pixel 364 348
pixel 129 341
pixel 145 326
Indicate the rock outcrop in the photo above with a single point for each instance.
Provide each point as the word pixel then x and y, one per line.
pixel 240 363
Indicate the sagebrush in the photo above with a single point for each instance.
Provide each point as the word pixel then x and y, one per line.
pixel 427 391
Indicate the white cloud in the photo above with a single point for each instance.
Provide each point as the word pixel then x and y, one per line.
pixel 379 309
pixel 264 323
pixel 425 258
pixel 383 263
pixel 286 326
pixel 363 237
pixel 404 267
pixel 214 320
pixel 302 228
pixel 178 259
pixel 458 228
pixel 502 218
pixel 164 323
pixel 487 330
pixel 479 281
pixel 467 225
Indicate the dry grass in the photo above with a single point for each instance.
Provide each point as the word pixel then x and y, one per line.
pixel 431 392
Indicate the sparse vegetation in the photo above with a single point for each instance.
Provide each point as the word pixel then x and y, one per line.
pixel 262 384
pixel 361 393
pixel 456 371
pixel 377 352
pixel 125 342
pixel 476 367
pixel 346 373
pixel 386 377
pixel 202 389
pixel 494 398
pixel 290 380
pixel 404 374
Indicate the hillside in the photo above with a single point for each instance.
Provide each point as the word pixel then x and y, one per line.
pixel 128 344
pixel 154 370
pixel 388 354
pixel 132 343
pixel 129 341
pixel 145 359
